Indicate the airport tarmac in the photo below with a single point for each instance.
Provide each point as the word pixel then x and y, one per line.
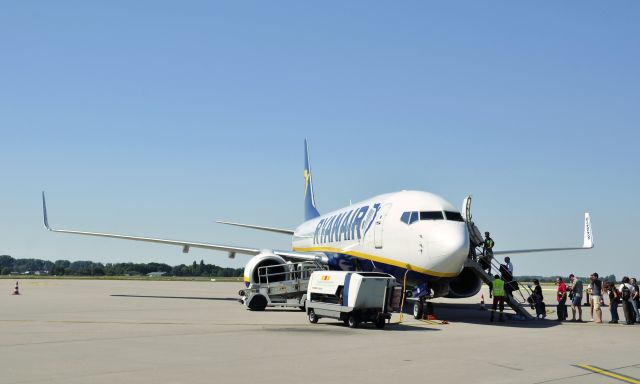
pixel 89 331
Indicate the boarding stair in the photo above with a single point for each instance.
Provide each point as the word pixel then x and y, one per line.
pixel 476 253
pixel 517 300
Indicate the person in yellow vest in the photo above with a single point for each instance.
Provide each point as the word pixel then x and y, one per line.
pixel 497 289
pixel 487 252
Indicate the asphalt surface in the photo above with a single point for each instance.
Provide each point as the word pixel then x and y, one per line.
pixel 76 331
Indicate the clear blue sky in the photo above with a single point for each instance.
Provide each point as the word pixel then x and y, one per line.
pixel 158 117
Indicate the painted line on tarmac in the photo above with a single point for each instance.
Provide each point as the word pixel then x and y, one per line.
pixel 604 372
pixel 92 322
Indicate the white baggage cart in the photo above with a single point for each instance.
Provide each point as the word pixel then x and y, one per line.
pixel 353 297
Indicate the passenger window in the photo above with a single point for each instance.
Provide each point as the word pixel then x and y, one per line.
pixel 453 216
pixel 431 215
pixel 414 217
pixel 405 217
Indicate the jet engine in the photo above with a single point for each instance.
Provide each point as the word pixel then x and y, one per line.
pixel 277 270
pixel 466 284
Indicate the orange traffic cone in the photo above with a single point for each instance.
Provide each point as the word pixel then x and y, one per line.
pixel 16 291
pixel 482 308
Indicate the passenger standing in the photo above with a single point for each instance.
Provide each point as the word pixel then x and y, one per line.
pixel 596 296
pixel 497 289
pixel 507 261
pixel 589 302
pixel 513 284
pixel 561 296
pixel 507 277
pixel 635 298
pixel 614 300
pixel 576 297
pixel 538 300
pixel 625 297
pixel 487 252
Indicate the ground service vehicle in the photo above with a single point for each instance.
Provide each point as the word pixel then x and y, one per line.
pixel 353 297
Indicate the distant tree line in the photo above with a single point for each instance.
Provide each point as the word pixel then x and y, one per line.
pixel 89 268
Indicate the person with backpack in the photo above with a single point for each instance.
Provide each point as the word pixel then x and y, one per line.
pixel 507 276
pixel 625 298
pixel 635 298
pixel 575 294
pixel 538 300
pixel 614 300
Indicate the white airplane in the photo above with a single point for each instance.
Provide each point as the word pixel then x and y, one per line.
pixel 418 237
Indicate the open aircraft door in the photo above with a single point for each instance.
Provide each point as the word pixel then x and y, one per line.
pixel 474 233
pixel 466 209
pixel 377 229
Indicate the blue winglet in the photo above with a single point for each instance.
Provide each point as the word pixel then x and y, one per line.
pixel 310 210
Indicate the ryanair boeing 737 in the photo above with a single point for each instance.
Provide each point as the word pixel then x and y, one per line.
pixel 418 237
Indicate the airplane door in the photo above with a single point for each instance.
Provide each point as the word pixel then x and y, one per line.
pixel 466 209
pixel 377 229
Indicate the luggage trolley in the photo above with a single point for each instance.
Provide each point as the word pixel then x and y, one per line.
pixel 353 297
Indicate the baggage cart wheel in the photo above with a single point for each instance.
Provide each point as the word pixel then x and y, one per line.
pixel 380 323
pixel 312 317
pixel 258 303
pixel 418 310
pixel 353 321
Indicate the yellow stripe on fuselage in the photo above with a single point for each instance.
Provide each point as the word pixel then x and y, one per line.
pixel 378 259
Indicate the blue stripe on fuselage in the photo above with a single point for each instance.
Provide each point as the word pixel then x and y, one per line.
pixel 342 262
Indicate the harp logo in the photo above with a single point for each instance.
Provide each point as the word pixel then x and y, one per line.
pixel 307 176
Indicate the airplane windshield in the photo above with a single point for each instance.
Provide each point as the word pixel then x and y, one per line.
pixel 431 215
pixel 453 216
pixel 412 217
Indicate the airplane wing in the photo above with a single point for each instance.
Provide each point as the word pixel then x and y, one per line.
pixel 587 244
pixel 259 227
pixel 232 250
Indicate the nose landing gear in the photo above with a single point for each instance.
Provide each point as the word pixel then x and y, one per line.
pixel 422 308
pixel 418 310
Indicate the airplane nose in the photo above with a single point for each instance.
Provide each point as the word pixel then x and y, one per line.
pixel 453 246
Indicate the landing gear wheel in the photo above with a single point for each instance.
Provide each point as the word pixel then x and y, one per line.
pixel 258 303
pixel 312 317
pixel 353 321
pixel 418 310
pixel 380 323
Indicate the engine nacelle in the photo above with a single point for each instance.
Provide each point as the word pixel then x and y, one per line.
pixel 467 284
pixel 278 268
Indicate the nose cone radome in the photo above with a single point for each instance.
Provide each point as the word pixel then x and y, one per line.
pixel 451 249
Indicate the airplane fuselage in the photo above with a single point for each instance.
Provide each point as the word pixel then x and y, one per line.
pixel 413 231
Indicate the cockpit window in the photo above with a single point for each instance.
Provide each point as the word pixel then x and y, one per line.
pixel 412 217
pixel 431 215
pixel 453 216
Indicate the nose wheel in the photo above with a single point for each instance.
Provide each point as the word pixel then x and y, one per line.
pixel 422 308
pixel 418 310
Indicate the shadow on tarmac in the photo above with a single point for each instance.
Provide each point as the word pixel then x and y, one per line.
pixel 179 297
pixel 452 312
pixel 471 314
pixel 396 327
